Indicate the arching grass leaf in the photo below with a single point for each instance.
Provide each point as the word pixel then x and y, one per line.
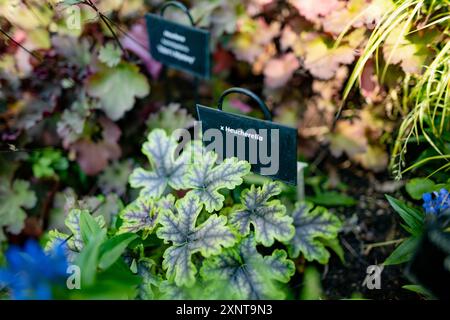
pixel 179 228
pixel 312 224
pixel 206 178
pixel 166 169
pixel 248 273
pixel 268 217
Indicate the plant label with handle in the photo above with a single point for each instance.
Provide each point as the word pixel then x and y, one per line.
pixel 270 148
pixel 179 46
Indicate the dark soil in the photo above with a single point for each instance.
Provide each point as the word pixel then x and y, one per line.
pixel 370 221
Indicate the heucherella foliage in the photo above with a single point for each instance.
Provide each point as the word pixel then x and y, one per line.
pixel 179 227
pixel 13 200
pixel 100 258
pixel 75 241
pixel 207 179
pixel 145 269
pixel 214 289
pixel 248 272
pixel 269 218
pixel 193 169
pixel 161 240
pixel 117 88
pixel 311 226
pixel 143 214
pixel 167 170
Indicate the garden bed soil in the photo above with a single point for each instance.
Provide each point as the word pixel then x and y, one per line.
pixel 370 221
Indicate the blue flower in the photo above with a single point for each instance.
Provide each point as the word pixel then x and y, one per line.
pixel 31 273
pixel 436 203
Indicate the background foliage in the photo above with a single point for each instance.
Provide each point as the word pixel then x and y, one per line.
pixel 366 82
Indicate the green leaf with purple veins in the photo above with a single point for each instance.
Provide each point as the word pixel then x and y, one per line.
pixel 167 170
pixel 269 218
pixel 248 273
pixel 311 225
pixel 206 178
pixel 143 214
pixel 76 242
pixel 179 227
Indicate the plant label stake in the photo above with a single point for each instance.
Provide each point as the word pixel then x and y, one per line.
pixel 301 181
pixel 182 47
pixel 270 148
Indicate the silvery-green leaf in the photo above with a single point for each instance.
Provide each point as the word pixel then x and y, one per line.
pixel 73 223
pixel 117 88
pixel 141 215
pixel 248 273
pixel 280 267
pixel 206 178
pixel 167 170
pixel 170 291
pixel 110 55
pixel 167 203
pixel 114 178
pixel 178 227
pixel 269 218
pixel 56 238
pixel 171 118
pixel 14 198
pixel 202 290
pixel 312 224
pixel 109 207
pixel 149 279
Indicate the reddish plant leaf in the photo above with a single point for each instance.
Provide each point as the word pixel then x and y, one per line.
pixel 223 60
pixel 288 38
pixel 93 157
pixel 137 42
pixel 256 7
pixel 313 10
pixel 280 70
pixel 369 85
pixel 324 61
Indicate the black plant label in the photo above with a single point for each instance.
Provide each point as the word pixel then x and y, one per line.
pixel 270 148
pixel 178 46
